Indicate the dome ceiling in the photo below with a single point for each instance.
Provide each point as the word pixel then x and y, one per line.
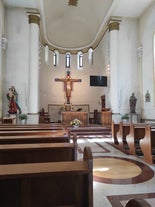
pixel 73 28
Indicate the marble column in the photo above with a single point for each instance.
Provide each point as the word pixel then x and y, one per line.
pixel 114 95
pixel 33 99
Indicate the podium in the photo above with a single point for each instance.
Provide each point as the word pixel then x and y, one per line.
pixel 106 117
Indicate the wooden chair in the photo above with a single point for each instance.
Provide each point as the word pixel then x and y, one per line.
pixel 94 119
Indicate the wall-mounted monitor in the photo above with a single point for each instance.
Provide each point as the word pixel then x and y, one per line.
pixel 96 80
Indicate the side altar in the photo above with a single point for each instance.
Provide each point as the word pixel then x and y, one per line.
pixel 68 116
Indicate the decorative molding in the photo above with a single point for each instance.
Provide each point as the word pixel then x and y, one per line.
pixel 140 51
pixel 3 43
pixel 113 26
pixel 34 19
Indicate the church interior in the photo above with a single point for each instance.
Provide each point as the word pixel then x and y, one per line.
pixel 77 103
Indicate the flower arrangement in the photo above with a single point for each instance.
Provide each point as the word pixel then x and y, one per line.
pixel 76 122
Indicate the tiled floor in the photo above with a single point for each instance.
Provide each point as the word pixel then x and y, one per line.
pixel 113 191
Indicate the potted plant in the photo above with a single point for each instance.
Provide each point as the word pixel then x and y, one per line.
pixel 76 122
pixel 23 118
pixel 125 118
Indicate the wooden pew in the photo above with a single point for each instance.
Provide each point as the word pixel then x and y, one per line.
pixel 36 136
pixel 147 145
pixel 32 153
pixel 23 139
pixel 33 125
pixel 29 127
pixel 123 131
pixel 88 131
pixel 137 203
pixel 27 132
pixel 137 132
pixel 114 130
pixel 48 184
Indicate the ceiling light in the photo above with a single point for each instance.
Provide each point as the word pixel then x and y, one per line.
pixel 72 2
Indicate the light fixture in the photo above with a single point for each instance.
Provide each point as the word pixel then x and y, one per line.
pixel 72 2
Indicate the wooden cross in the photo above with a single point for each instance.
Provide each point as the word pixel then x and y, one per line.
pixel 68 85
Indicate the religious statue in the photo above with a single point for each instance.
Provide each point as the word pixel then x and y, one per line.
pixel 68 85
pixel 12 96
pixel 147 96
pixel 133 101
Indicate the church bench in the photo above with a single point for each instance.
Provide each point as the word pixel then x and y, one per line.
pixel 31 127
pixel 19 132
pixel 114 130
pixel 42 152
pixel 126 132
pixel 88 131
pixel 37 138
pixel 137 203
pixel 123 131
pixel 147 145
pixel 137 132
pixel 48 184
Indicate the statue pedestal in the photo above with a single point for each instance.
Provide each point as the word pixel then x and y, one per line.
pixel 68 107
pixel 134 118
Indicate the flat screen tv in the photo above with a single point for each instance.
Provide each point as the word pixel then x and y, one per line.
pixel 98 80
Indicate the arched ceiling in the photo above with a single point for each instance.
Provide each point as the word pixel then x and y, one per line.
pixel 72 28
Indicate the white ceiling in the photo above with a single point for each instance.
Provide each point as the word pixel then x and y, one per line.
pixel 70 28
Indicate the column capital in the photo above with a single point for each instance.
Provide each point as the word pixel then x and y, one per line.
pixel 113 26
pixel 34 19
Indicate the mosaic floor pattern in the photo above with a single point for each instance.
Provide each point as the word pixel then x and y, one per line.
pixel 118 177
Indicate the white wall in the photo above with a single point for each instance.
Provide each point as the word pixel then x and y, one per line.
pixel 17 56
pixel 2 53
pixel 146 32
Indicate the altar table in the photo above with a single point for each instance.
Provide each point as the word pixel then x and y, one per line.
pixel 68 116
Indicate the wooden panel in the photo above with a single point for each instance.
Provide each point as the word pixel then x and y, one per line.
pixel 9 120
pixel 147 145
pixel 48 184
pixel 42 152
pixel 54 110
pixel 106 117
pixel 67 117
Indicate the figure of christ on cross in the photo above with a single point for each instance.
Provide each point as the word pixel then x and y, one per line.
pixel 68 85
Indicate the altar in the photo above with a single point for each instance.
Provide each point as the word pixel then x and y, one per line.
pixel 55 110
pixel 68 116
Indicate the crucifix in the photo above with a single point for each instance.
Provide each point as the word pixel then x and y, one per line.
pixel 68 85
